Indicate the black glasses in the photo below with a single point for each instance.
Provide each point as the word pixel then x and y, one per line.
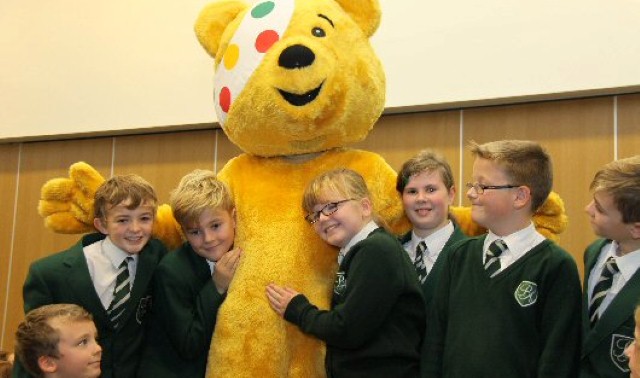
pixel 479 188
pixel 327 210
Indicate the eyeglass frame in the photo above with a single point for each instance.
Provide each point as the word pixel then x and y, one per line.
pixel 314 216
pixel 479 188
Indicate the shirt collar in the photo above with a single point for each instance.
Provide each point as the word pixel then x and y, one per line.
pixel 436 241
pixel 628 264
pixel 115 254
pixel 517 243
pixel 366 230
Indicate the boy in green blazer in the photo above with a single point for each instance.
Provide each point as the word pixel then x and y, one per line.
pixel 612 274
pixel 426 187
pixel 191 283
pixel 108 273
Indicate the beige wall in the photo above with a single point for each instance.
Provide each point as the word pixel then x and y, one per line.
pixel 581 136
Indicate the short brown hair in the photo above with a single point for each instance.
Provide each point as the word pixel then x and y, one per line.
pixel 198 191
pixel 120 188
pixel 425 161
pixel 621 179
pixel 526 162
pixel 36 337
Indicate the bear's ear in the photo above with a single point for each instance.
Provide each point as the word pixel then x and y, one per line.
pixel 366 13
pixel 213 20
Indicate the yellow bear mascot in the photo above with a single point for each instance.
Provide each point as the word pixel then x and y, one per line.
pixel 296 81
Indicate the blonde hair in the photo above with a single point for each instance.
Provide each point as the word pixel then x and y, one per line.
pixel 425 161
pixel 344 182
pixel 621 179
pixel 121 188
pixel 36 337
pixel 198 191
pixel 525 162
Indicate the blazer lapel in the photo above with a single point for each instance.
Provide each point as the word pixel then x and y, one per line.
pixel 80 283
pixel 618 311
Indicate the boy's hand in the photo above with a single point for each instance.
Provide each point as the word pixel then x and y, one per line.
pixel 279 297
pixel 225 269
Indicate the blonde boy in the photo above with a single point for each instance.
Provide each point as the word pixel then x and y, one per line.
pixel 191 282
pixel 612 265
pixel 59 341
pixel 507 302
pixel 107 273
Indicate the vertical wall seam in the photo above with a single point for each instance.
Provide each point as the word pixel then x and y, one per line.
pixel 11 246
pixel 460 157
pixel 615 127
pixel 113 156
pixel 215 152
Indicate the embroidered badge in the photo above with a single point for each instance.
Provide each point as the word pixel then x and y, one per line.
pixel 618 344
pixel 526 293
pixel 340 284
pixel 144 306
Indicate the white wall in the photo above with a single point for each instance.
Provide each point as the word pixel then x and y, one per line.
pixel 77 66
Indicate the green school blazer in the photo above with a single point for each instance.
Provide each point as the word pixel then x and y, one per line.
pixel 64 278
pixel 603 346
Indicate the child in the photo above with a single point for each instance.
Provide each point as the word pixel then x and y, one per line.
pixel 612 278
pixel 108 273
pixel 191 282
pixel 425 183
pixel 510 311
pixel 633 349
pixel 6 364
pixel 59 341
pixel 377 318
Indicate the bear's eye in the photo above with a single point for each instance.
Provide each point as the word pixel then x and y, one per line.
pixel 318 32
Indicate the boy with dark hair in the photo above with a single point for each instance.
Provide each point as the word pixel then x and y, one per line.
pixel 507 302
pixel 107 273
pixel 612 278
pixel 59 341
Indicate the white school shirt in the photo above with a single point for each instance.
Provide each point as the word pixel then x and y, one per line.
pixel 361 235
pixel 103 260
pixel 435 243
pixel 518 244
pixel 628 265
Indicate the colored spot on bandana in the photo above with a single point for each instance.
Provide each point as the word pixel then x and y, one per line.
pixel 225 99
pixel 230 57
pixel 265 40
pixel 262 9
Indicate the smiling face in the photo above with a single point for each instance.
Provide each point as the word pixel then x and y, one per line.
pixel 128 229
pixel 339 228
pixel 310 92
pixel 426 201
pixel 212 235
pixel 494 209
pixel 80 353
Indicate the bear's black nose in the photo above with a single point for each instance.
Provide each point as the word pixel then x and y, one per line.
pixel 296 56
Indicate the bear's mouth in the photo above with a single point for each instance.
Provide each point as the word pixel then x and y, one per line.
pixel 301 99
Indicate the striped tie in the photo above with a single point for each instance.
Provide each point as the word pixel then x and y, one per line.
pixel 419 264
pixel 602 288
pixel 121 293
pixel 492 262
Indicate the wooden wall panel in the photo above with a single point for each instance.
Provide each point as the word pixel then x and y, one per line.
pixel 225 150
pixel 577 134
pixel 628 125
pixel 8 185
pixel 162 159
pixel 399 137
pixel 41 162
